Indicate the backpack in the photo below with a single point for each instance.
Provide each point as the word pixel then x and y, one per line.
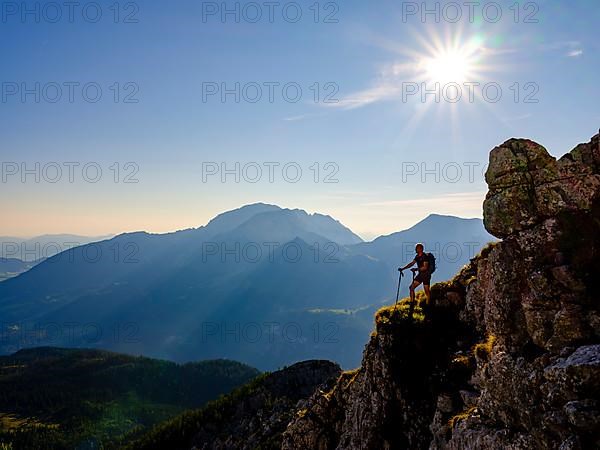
pixel 431 260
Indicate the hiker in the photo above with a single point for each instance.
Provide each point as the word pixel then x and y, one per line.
pixel 425 269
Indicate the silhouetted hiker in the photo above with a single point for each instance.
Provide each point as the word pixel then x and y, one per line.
pixel 425 266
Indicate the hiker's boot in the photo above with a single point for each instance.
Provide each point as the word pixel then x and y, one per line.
pixel 411 310
pixel 426 307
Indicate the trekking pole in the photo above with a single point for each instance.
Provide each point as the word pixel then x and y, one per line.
pixel 398 292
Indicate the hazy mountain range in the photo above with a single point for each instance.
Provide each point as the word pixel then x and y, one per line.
pixel 261 284
pixel 37 248
pixel 11 267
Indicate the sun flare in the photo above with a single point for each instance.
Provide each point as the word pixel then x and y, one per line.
pixel 450 59
pixel 447 67
pixel 454 65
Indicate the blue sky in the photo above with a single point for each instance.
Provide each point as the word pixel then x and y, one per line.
pixel 372 138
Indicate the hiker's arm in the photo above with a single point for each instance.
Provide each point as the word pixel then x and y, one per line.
pixel 425 267
pixel 408 265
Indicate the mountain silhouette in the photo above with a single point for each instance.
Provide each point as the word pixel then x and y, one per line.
pixel 11 267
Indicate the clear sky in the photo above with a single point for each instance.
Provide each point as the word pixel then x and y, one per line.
pixel 359 131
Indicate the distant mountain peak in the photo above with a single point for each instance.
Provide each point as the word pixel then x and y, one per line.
pixel 232 219
pixel 260 205
pixel 250 222
pixel 434 216
pixel 435 220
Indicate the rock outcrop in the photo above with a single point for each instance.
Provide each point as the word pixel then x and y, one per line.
pixel 509 357
pixel 251 417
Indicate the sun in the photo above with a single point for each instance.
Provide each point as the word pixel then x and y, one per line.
pixel 449 65
pixel 450 59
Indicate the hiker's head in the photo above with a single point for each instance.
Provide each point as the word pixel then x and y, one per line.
pixel 419 248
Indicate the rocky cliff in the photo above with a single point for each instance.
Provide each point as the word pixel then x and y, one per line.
pixel 509 356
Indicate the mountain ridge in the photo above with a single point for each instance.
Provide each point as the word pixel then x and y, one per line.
pixel 268 265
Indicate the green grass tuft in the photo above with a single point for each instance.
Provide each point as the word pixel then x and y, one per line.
pixel 483 350
pixel 461 416
pixel 396 314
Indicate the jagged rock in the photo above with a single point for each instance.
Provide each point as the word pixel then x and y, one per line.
pixel 475 433
pixel 583 414
pixel 527 185
pixel 571 443
pixel 444 403
pixel 577 374
pixel 509 356
pixel 469 398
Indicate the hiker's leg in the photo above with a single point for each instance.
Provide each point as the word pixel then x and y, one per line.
pixel 411 307
pixel 415 284
pixel 425 278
